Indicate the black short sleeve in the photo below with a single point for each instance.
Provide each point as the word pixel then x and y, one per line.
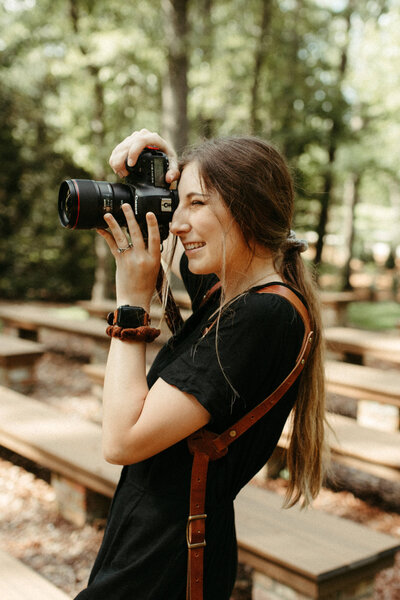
pixel 242 358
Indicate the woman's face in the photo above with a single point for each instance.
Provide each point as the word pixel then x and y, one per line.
pixel 210 235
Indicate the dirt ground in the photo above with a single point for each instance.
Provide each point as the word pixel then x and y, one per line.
pixel 31 530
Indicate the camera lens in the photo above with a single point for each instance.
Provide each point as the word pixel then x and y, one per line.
pixel 82 203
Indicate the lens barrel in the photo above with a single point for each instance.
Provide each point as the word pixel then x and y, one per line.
pixel 82 203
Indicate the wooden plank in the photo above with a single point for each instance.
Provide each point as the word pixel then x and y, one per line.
pixel 61 442
pixel 22 317
pixel 309 548
pixel 360 342
pixel 357 381
pixel 19 582
pixel 26 317
pixel 374 451
pixel 369 445
pixel 12 346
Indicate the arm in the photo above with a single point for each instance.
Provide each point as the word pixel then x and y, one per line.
pixel 138 422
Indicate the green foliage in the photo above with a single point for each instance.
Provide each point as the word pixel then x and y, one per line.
pixel 78 75
pixel 374 315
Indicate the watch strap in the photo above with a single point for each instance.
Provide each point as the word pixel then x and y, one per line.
pixel 129 317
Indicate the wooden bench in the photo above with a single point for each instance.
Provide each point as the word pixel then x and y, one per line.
pixel 315 554
pixel 308 551
pixel 338 302
pixel 17 362
pixel 377 392
pixel 19 582
pixel 367 450
pixel 281 545
pixel 69 446
pixel 101 309
pixel 355 344
pixel 28 322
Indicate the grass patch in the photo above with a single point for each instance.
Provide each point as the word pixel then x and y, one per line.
pixel 75 313
pixel 374 315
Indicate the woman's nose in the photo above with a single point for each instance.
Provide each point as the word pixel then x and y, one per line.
pixel 179 224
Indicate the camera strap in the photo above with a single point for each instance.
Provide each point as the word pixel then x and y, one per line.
pixel 206 445
pixel 173 315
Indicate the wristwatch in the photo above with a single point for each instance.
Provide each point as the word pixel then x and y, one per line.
pixel 129 317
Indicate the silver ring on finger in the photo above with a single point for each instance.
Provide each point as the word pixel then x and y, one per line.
pixel 122 250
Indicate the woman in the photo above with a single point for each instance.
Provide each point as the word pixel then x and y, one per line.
pixel 233 223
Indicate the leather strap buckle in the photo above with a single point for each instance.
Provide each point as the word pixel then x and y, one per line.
pixel 191 545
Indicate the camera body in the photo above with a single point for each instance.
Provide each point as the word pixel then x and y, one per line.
pixel 82 203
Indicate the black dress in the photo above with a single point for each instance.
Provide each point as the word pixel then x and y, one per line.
pixel 144 555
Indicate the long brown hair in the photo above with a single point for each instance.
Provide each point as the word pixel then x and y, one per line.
pixel 254 181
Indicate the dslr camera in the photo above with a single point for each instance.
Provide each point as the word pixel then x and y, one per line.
pixel 82 203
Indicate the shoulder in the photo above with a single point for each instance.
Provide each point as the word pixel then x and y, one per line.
pixel 265 310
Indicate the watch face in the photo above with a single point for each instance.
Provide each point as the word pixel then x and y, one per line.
pixel 130 317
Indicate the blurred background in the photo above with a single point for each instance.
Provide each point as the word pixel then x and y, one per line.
pixel 319 78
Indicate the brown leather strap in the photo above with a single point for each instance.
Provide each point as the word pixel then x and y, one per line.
pixel 206 446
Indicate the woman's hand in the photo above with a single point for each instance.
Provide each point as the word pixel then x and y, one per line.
pixel 130 148
pixel 138 264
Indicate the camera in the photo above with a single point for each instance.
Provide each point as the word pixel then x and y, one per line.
pixel 82 203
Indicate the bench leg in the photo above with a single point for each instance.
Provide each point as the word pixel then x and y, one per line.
pixel 21 378
pixel 384 417
pixel 267 588
pixel 355 359
pixel 78 504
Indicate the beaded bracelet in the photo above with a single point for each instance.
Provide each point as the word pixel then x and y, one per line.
pixel 139 334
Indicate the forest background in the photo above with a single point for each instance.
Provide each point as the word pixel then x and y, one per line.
pixel 320 78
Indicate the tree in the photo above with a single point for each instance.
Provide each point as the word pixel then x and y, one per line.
pixel 175 89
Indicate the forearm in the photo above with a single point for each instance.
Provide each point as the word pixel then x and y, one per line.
pixel 125 391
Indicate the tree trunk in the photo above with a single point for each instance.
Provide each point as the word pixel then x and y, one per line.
pixel 102 274
pixel 205 123
pixel 332 148
pixel 352 196
pixel 260 52
pixel 175 89
pixel 326 199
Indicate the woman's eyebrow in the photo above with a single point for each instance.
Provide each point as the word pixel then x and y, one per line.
pixel 190 194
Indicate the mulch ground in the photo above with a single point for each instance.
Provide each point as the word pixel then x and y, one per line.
pixel 32 531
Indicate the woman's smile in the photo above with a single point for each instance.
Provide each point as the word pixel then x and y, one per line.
pixel 192 247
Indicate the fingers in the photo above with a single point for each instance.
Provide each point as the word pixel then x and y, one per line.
pixel 130 148
pixel 153 243
pixel 116 237
pixel 133 227
pixel 106 235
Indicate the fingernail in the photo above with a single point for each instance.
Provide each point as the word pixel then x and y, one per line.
pixel 129 162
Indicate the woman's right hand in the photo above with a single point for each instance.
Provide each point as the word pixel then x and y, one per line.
pixel 130 148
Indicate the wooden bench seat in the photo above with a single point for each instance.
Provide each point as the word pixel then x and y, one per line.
pixel 316 554
pixel 372 451
pixel 338 303
pixel 29 321
pixel 19 582
pixel 101 309
pixel 17 362
pixel 357 381
pixel 308 551
pixel 69 446
pixel 355 344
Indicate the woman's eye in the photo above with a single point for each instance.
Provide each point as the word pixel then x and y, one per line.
pixel 197 202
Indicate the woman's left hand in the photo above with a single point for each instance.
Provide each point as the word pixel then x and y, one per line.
pixel 137 266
